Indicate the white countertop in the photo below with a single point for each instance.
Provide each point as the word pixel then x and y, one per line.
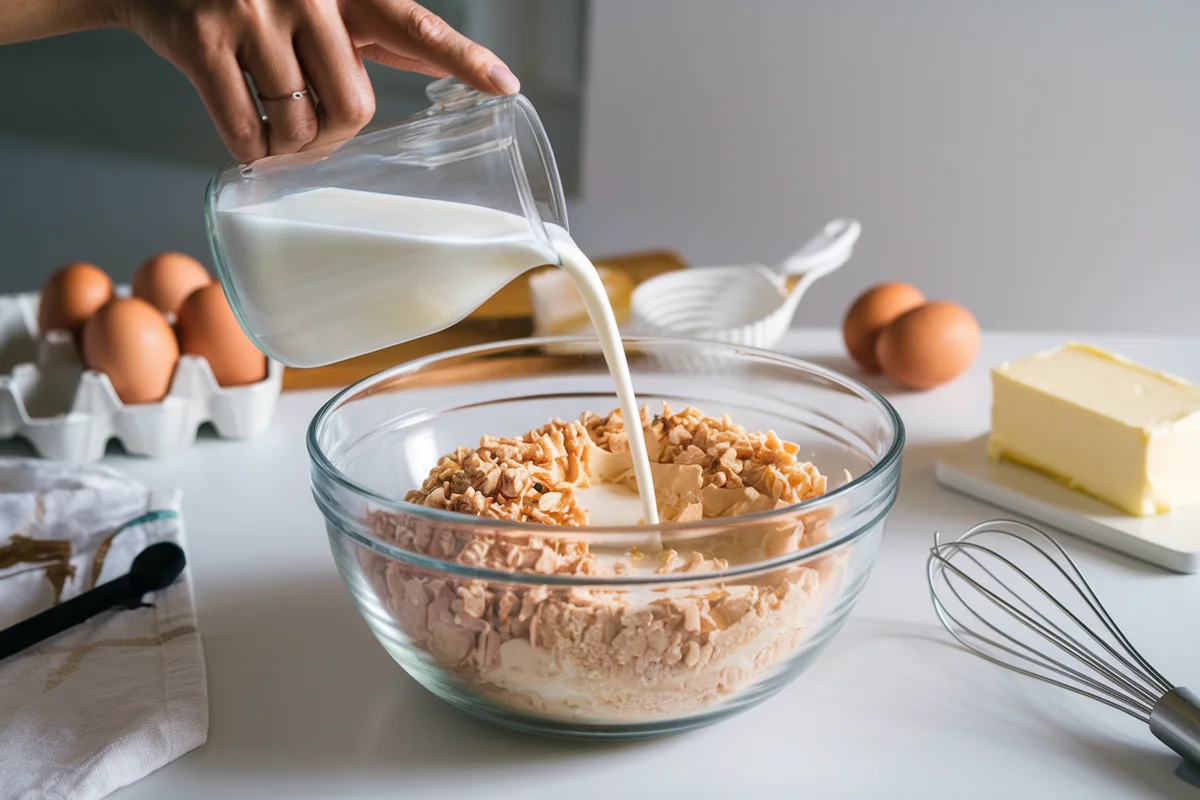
pixel 305 704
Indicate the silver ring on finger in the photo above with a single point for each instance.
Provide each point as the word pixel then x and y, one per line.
pixel 299 95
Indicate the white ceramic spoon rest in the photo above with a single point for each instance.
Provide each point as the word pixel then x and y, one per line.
pixel 750 305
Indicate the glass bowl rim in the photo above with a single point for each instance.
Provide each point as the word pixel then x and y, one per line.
pixel 325 467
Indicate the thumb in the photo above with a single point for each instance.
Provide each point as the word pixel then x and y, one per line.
pixel 409 30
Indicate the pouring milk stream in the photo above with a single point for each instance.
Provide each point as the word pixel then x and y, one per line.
pixel 404 232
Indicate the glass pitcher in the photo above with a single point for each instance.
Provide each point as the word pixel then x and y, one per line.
pixel 395 234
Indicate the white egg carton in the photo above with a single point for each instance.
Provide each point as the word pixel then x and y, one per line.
pixel 69 413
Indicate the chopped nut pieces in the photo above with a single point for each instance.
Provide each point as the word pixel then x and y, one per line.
pixel 703 468
pixel 609 655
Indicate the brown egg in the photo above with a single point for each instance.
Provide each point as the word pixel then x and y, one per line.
pixel 207 327
pixel 166 280
pixel 929 345
pixel 71 295
pixel 131 342
pixel 870 313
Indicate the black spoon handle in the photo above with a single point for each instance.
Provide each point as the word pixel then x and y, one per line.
pixel 67 614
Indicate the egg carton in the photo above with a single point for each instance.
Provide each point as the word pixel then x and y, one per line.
pixel 70 413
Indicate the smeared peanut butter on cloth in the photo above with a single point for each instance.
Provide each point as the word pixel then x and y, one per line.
pixel 612 655
pixel 53 555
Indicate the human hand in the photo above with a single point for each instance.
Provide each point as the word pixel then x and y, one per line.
pixel 306 60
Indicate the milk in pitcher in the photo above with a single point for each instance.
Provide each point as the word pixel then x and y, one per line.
pixel 344 270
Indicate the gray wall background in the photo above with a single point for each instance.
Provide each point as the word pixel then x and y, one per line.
pixel 1036 160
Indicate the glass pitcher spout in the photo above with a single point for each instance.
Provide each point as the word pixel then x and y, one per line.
pixel 398 233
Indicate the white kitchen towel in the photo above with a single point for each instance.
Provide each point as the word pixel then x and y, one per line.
pixel 119 696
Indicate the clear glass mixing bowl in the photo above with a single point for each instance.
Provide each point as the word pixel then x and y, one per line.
pixel 610 655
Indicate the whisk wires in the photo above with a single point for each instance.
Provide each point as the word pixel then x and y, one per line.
pixel 981 596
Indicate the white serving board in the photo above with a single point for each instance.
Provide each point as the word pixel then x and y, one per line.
pixel 1167 540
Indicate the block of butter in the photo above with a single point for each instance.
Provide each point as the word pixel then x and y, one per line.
pixel 558 308
pixel 1125 434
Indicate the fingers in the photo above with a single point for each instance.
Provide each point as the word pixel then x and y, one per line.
pixel 272 63
pixel 288 47
pixel 336 73
pixel 389 59
pixel 219 80
pixel 410 31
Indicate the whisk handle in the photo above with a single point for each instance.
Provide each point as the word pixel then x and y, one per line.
pixel 1175 720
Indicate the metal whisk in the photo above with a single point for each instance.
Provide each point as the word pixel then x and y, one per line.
pixel 1035 613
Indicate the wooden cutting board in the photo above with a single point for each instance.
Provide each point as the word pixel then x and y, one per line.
pixel 507 315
